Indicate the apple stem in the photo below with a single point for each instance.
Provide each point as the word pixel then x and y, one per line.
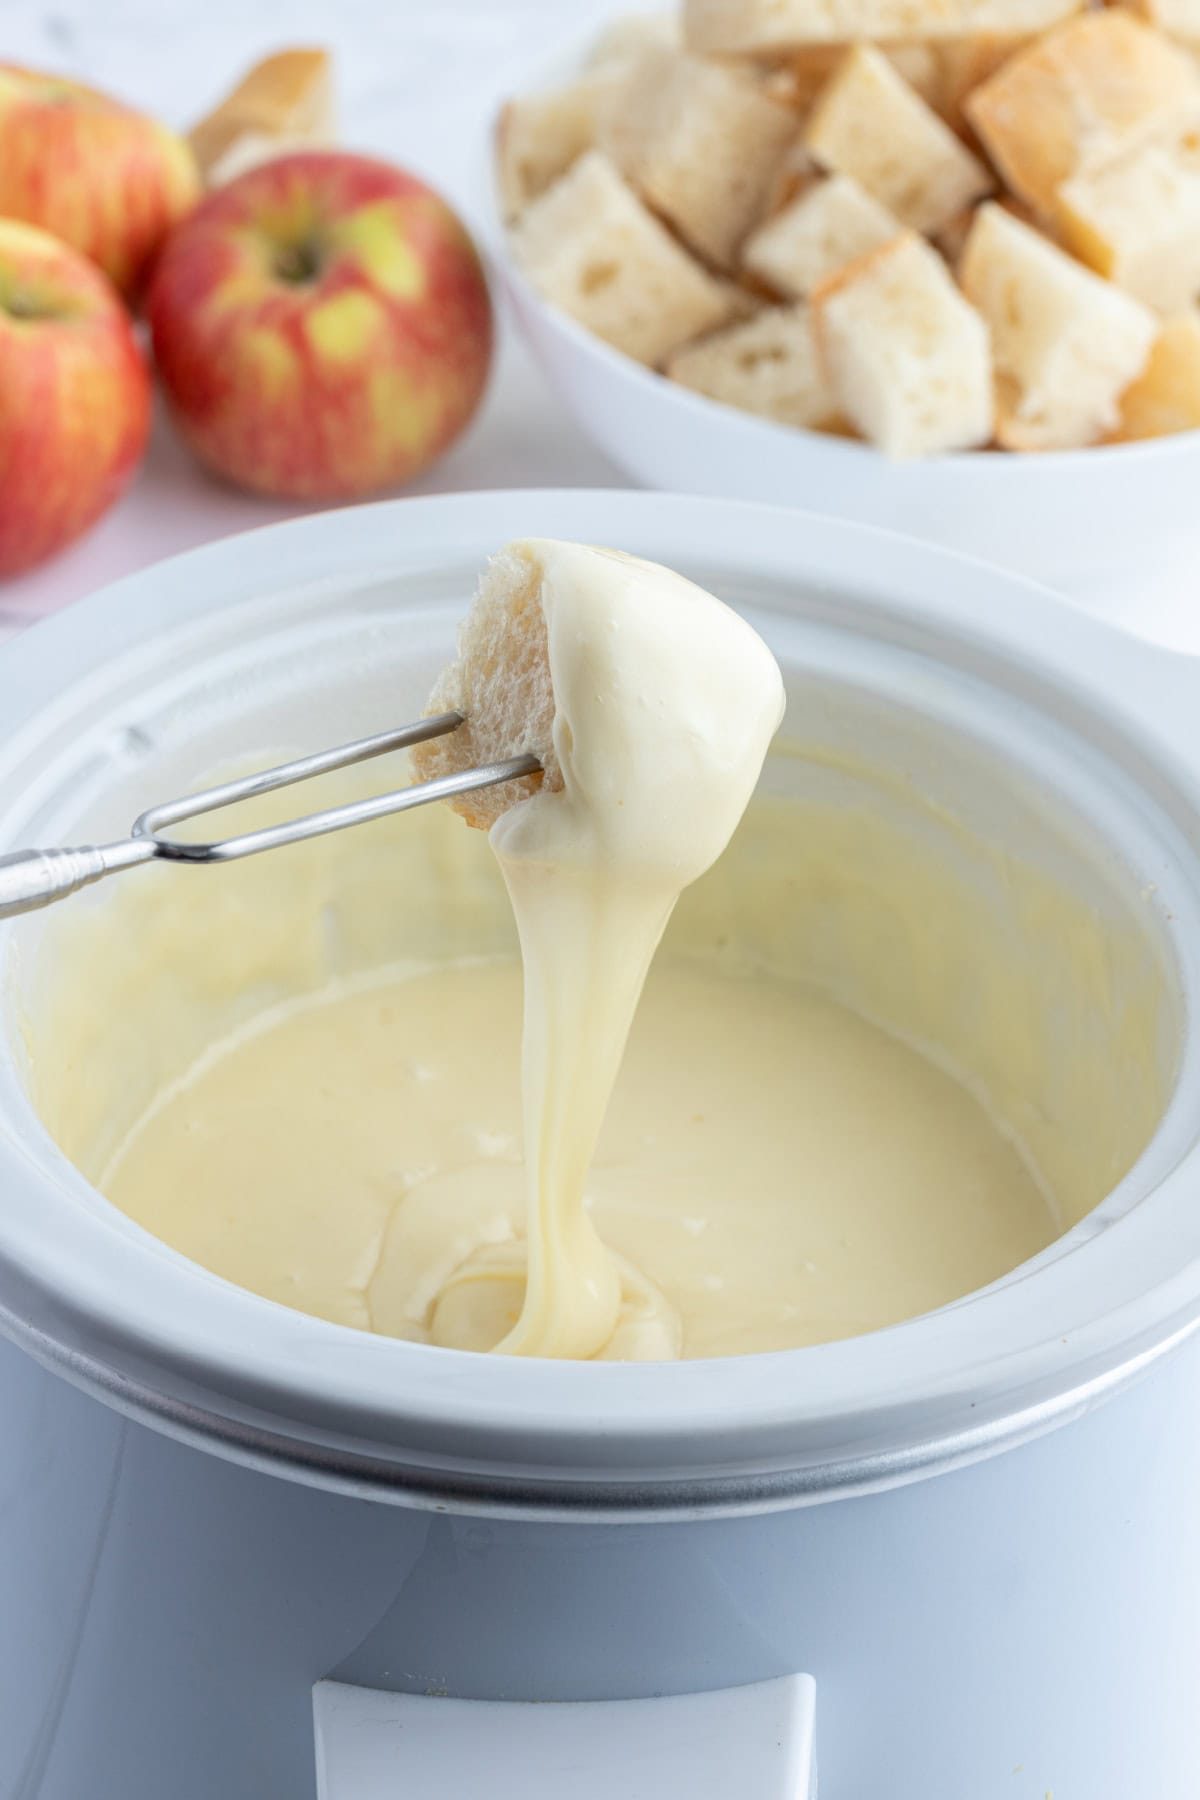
pixel 298 263
pixel 20 306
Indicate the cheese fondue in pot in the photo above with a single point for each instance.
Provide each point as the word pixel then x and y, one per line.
pixel 773 1170
pixel 760 1166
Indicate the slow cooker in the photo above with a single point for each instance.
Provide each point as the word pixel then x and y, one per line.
pixel 248 1553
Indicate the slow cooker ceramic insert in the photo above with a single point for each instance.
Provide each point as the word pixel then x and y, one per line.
pixel 248 1552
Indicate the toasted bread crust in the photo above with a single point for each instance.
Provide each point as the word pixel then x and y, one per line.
pixel 1165 398
pixel 1094 87
pixel 287 96
pixel 757 27
pixel 1066 342
pixel 869 124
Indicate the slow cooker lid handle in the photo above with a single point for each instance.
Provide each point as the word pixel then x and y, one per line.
pixel 758 1740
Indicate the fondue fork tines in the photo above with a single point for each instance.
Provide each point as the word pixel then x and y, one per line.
pixel 33 878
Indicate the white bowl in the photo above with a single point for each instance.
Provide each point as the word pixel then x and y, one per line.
pixel 1114 527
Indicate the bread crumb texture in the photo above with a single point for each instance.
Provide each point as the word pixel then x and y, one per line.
pixel 768 365
pixel 870 125
pixel 906 356
pixel 1065 342
pixel 500 683
pixel 592 247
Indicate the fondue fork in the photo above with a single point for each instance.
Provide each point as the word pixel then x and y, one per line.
pixel 33 878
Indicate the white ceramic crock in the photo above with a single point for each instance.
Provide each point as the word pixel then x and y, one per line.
pixel 1107 524
pixel 974 1531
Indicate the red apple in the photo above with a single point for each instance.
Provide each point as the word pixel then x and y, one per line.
pixel 322 327
pixel 74 395
pixel 107 180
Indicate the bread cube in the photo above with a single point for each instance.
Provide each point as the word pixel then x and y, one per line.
pixel 591 247
pixel 539 137
pixel 701 145
pixel 798 81
pixel 826 227
pixel 1165 398
pixel 1178 18
pixel 285 102
pixel 624 40
pixel 906 358
pixel 870 125
pixel 758 27
pixel 965 64
pixel 768 366
pixel 1065 343
pixel 919 65
pixel 500 682
pixel 1096 86
pixel 1137 220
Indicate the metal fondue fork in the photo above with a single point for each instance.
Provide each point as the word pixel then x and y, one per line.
pixel 33 878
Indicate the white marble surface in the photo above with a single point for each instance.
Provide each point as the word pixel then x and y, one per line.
pixel 417 82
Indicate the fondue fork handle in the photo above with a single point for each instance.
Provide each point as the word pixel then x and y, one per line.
pixel 30 879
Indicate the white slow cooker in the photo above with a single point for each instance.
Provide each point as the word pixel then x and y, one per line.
pixel 249 1554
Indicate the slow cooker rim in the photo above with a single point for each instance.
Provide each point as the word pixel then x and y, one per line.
pixel 594 1497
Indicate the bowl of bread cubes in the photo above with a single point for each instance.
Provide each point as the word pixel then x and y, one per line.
pixel 931 263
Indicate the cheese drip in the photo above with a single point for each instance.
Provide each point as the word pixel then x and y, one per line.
pixel 666 702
